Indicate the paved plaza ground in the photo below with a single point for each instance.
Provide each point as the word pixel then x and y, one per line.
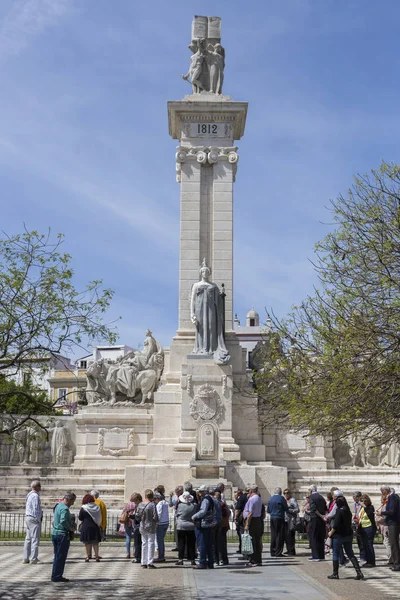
pixel 116 577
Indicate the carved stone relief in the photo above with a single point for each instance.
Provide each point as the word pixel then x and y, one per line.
pixel 206 405
pixel 293 443
pixel 116 441
pixel 207 441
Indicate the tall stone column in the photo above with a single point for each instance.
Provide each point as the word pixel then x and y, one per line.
pixel 206 164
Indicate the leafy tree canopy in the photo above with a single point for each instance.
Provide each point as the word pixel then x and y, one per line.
pixel 42 313
pixel 336 368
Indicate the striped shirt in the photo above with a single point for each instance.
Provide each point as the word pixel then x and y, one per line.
pixel 33 506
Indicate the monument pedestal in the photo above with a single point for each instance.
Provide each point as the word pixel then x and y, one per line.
pixel 116 436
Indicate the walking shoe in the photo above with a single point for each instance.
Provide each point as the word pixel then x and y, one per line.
pixel 180 563
pixel 144 566
pixel 128 556
pixel 61 580
pixel 151 566
pixel 26 561
pixel 314 559
pixel 199 567
pixel 367 566
pixel 35 561
pixel 193 562
pixel 157 560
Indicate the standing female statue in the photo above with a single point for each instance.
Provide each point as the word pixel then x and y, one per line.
pixel 215 59
pixel 206 313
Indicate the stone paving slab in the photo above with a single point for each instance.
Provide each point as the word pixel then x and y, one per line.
pixel 292 578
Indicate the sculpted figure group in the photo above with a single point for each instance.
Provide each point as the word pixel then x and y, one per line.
pixel 31 444
pixel 358 451
pixel 206 70
pixel 137 371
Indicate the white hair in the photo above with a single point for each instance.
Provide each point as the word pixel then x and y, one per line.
pixel 35 483
pixel 313 488
pixel 95 493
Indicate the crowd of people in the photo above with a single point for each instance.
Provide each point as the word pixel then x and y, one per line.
pixel 202 518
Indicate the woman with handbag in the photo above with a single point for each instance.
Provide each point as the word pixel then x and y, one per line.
pixel 90 532
pixel 367 526
pixel 126 527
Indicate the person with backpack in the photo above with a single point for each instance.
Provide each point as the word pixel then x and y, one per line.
pixel 147 515
pixel 204 521
pixel 126 527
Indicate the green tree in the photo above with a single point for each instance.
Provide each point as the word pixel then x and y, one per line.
pixel 42 314
pixel 337 371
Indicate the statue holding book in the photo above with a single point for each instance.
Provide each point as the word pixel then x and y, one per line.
pixel 207 63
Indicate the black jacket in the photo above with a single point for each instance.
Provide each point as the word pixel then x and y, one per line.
pixel 342 522
pixel 392 510
pixel 317 503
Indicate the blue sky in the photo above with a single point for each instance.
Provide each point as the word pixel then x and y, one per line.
pixel 84 145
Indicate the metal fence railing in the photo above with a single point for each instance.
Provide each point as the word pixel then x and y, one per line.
pixel 12 527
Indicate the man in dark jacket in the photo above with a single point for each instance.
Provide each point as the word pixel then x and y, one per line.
pixel 277 507
pixel 205 521
pixel 391 513
pixel 317 524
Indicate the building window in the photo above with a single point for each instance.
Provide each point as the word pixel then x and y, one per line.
pixel 27 378
pixel 62 396
pixel 252 322
pixel 83 364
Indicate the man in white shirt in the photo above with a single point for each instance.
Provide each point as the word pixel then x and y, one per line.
pixel 33 520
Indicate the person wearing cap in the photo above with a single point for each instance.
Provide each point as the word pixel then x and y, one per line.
pixel 277 509
pixel 356 518
pixel 185 510
pixel 162 525
pixel 253 525
pixel 204 521
pixel 391 513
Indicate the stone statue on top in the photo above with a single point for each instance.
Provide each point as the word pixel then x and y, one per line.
pixel 207 63
pixel 207 314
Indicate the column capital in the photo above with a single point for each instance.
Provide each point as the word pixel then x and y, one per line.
pixel 205 155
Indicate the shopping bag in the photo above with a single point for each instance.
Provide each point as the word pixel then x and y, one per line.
pixel 247 544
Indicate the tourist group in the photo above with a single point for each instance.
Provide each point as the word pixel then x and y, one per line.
pixel 202 519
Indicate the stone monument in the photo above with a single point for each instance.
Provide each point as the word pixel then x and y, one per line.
pixel 188 412
pixel 204 427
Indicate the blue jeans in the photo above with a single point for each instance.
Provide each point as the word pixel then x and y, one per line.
pixel 339 542
pixel 204 538
pixel 61 546
pixel 368 534
pixel 160 535
pixel 128 535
